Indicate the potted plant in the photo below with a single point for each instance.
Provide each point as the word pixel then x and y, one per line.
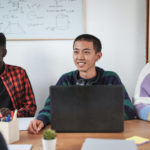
pixel 49 140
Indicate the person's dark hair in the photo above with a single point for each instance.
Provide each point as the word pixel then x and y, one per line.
pixel 3 144
pixel 2 40
pixel 90 38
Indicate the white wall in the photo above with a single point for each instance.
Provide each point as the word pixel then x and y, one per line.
pixel 120 24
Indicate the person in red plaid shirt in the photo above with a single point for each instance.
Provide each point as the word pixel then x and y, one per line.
pixel 15 88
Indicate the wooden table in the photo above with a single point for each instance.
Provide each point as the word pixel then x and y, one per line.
pixel 74 141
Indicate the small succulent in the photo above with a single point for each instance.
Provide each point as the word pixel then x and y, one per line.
pixel 49 134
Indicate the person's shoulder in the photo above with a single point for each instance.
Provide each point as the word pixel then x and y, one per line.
pixel 14 68
pixel 110 74
pixel 68 74
pixel 66 78
pixel 147 78
pixel 111 77
pixel 148 75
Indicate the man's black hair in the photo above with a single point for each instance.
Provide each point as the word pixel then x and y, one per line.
pixel 2 40
pixel 90 38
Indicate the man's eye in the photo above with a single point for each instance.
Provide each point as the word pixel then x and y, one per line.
pixel 75 52
pixel 86 52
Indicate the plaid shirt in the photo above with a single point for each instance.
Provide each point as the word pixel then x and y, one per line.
pixel 19 89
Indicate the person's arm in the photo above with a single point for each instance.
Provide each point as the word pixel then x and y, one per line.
pixel 35 126
pixel 28 104
pixel 45 113
pixel 44 116
pixel 143 111
pixel 142 99
pixel 41 120
pixel 129 110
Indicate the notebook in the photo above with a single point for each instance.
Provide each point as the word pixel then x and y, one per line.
pixel 108 144
pixel 97 108
pixel 19 146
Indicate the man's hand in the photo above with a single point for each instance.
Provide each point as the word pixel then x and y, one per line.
pixel 35 126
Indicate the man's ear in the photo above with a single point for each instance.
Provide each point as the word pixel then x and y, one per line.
pixel 99 55
pixel 4 52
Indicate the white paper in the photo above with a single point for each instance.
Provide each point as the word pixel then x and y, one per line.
pixel 24 122
pixel 108 144
pixel 19 146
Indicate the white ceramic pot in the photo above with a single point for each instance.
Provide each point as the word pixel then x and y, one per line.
pixel 49 144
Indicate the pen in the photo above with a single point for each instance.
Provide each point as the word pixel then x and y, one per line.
pixel 1 117
pixel 12 113
pixel 15 115
pixel 8 118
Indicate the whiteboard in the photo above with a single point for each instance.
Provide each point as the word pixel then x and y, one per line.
pixel 41 19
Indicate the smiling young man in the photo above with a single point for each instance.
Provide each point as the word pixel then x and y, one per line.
pixel 86 52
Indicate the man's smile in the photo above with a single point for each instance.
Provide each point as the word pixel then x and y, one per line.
pixel 81 64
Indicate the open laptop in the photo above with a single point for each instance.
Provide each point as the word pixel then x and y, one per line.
pixel 97 108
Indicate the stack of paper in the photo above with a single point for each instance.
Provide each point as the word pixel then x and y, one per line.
pixel 108 144
pixel 19 147
pixel 24 122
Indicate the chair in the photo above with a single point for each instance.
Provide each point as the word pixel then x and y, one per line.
pixel 143 73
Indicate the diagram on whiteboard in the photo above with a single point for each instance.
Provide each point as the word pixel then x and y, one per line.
pixel 36 19
pixel 14 28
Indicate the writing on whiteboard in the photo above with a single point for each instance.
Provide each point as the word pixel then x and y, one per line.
pixel 41 19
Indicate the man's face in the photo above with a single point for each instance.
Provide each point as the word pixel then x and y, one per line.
pixel 2 54
pixel 85 56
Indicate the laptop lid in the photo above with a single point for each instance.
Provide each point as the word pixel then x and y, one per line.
pixel 96 108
